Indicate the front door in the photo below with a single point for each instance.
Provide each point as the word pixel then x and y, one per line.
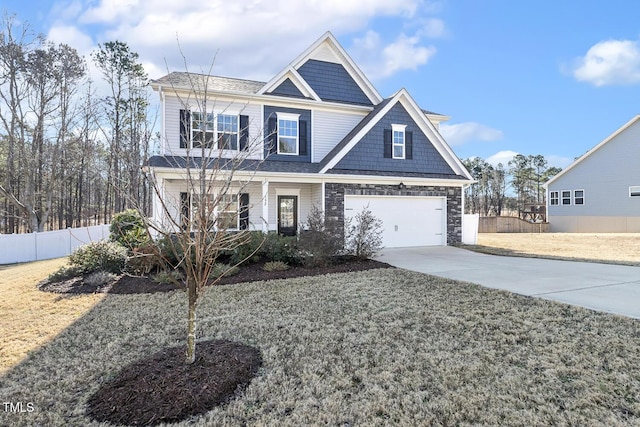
pixel 288 215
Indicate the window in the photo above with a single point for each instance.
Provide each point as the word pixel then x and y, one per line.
pixel 634 191
pixel 228 212
pixel 288 133
pixel 221 216
pixel 566 198
pixel 578 197
pixel 207 130
pixel 553 198
pixel 398 140
pixel 227 132
pixel 202 129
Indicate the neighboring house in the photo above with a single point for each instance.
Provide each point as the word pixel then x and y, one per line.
pixel 325 137
pixel 600 191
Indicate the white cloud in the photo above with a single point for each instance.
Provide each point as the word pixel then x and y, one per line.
pixel 610 62
pixel 71 36
pixel 404 53
pixel 501 157
pixel 462 133
pixel 433 28
pixel 255 38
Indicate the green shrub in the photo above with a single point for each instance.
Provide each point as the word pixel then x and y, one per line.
pixel 173 276
pixel 144 259
pixel 281 248
pixel 251 250
pixel 363 234
pixel 275 266
pixel 128 228
pixel 101 255
pixel 322 240
pixel 220 270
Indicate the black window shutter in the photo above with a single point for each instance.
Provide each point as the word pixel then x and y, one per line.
pixel 185 208
pixel 185 128
pixel 244 132
pixel 388 147
pixel 273 135
pixel 302 138
pixel 244 211
pixel 408 145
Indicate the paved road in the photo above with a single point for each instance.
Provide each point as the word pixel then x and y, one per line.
pixel 603 287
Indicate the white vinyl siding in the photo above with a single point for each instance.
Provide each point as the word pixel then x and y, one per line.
pixel 171 141
pixel 329 128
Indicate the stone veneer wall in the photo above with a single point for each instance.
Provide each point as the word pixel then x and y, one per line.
pixel 335 192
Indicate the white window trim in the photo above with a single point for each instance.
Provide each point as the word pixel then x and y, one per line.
pixel 575 197
pixel 402 129
pixel 557 198
pixel 562 198
pixel 634 189
pixel 215 129
pixel 293 118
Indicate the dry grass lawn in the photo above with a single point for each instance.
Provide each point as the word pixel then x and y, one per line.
pixel 614 248
pixel 381 347
pixel 29 318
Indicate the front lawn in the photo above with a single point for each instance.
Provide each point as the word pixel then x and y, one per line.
pixel 379 347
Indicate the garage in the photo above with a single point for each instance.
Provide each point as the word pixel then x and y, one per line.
pixel 406 221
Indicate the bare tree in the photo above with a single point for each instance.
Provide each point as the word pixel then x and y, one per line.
pixel 39 80
pixel 215 171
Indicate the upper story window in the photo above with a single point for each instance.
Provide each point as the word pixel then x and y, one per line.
pixel 227 132
pixel 566 197
pixel 202 129
pixel 634 191
pixel 288 133
pixel 398 141
pixel 553 198
pixel 214 131
pixel 578 197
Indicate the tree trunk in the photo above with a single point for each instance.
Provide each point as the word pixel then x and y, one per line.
pixel 191 326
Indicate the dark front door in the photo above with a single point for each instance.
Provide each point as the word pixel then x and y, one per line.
pixel 288 215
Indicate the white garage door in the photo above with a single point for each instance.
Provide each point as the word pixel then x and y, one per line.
pixel 406 221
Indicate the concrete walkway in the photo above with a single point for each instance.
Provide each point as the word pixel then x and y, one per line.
pixel 603 287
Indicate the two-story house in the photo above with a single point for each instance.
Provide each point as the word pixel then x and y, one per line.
pixel 318 133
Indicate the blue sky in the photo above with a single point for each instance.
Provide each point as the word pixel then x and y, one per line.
pixel 533 77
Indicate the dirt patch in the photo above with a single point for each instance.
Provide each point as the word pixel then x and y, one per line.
pixel 610 248
pixel 164 389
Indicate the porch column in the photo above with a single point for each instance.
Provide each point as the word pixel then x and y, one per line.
pixel 265 206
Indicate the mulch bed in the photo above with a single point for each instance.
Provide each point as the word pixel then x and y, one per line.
pixel 126 284
pixel 162 388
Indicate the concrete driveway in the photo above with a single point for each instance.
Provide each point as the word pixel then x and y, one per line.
pixel 603 287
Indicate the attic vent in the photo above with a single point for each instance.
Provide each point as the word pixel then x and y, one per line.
pixel 634 191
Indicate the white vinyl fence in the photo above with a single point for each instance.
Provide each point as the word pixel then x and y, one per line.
pixel 470 229
pixel 49 244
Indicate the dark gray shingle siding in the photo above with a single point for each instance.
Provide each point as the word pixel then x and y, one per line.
pixel 367 154
pixel 287 88
pixel 332 82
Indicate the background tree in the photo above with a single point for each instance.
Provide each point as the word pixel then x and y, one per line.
pixel 126 127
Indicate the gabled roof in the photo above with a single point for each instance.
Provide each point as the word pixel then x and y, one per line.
pixel 327 49
pixel 191 81
pixel 369 121
pixel 594 149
